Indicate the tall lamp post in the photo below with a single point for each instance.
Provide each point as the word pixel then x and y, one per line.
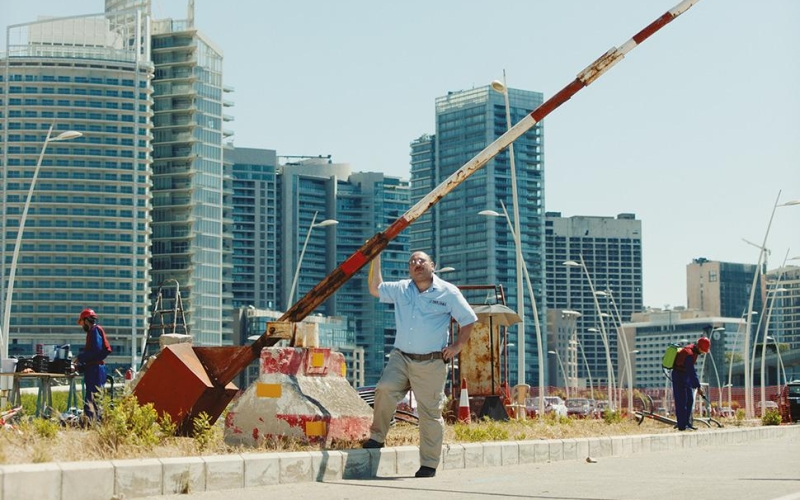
pixel 571 318
pixel 729 385
pixel 536 324
pixel 609 369
pixel 772 292
pixel 9 295
pixel 588 370
pixel 563 372
pixel 503 89
pixel 748 381
pixel 622 342
pixel 326 222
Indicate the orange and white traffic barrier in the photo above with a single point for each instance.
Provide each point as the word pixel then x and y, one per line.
pixel 463 404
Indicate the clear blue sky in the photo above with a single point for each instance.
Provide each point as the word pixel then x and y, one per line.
pixel 695 132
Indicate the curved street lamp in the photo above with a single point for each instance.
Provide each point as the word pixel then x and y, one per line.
pixel 326 222
pixel 5 335
pixel 501 87
pixel 609 369
pixel 748 382
pixel 521 308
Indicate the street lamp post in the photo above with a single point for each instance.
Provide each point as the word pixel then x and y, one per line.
pixel 609 369
pixel 729 385
pixel 446 269
pixel 503 88
pixel 748 382
pixel 9 295
pixel 563 372
pixel 772 292
pixel 536 324
pixel 588 370
pixel 326 222
pixel 622 342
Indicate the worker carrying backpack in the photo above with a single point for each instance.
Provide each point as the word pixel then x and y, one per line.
pixel 668 361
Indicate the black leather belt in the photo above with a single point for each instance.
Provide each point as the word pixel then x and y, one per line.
pixel 422 357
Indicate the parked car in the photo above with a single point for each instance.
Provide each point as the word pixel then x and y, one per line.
pixel 768 405
pixel 580 408
pixel 552 404
pixel 601 407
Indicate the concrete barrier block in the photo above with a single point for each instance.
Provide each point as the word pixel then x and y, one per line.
pixel 509 452
pixel 659 442
pixel 327 465
pixel 183 475
pixel 28 481
pixel 690 440
pixel 555 449
pixel 453 456
pixel 224 472
pixel 621 446
pixel 295 467
pixel 581 448
pixel 138 477
pixel 407 458
pixel 360 463
pixel 261 469
pixel 647 443
pixel 386 465
pixel 473 455
pixel 527 452
pixel 541 451
pixel 87 480
pixel 569 449
pixel 492 454
pixel 600 447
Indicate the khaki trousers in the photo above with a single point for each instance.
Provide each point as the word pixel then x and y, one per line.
pixel 426 379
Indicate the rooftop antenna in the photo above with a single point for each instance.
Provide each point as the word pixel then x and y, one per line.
pixel 190 14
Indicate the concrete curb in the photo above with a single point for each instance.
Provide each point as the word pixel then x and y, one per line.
pixel 150 477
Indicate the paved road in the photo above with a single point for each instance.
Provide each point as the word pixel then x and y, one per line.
pixel 759 470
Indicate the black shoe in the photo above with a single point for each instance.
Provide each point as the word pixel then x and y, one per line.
pixel 425 472
pixel 371 443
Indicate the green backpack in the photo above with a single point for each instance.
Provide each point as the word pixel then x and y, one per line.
pixel 668 361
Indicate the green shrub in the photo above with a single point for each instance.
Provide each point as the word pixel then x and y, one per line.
pixel 771 416
pixel 203 432
pixel 612 417
pixel 484 430
pixel 126 423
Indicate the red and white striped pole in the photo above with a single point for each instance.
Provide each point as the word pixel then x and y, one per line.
pixel 328 286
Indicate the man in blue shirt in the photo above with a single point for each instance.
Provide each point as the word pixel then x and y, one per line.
pixel 91 362
pixel 423 308
pixel 684 381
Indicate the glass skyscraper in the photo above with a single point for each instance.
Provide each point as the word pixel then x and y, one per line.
pixel 86 241
pixel 192 231
pixel 480 248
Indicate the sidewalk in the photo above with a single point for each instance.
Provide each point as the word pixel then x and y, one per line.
pixel 127 479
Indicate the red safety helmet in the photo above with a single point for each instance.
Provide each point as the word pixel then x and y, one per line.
pixel 87 313
pixel 704 344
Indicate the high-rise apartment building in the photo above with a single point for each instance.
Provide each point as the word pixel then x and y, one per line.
pixel 192 231
pixel 611 251
pixel 86 239
pixel 313 190
pixel 722 288
pixel 784 302
pixel 481 248
pixel 255 227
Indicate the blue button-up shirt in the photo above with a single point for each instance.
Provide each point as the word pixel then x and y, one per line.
pixel 423 318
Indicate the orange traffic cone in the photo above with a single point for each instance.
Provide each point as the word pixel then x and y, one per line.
pixel 463 404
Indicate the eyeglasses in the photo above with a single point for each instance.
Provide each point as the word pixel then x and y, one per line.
pixel 416 262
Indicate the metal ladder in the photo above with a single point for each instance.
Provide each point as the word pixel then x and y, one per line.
pixel 163 318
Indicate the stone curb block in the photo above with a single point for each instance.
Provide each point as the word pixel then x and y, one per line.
pixel 138 478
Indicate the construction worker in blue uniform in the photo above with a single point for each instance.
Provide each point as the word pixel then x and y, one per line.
pixel 91 362
pixel 684 380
